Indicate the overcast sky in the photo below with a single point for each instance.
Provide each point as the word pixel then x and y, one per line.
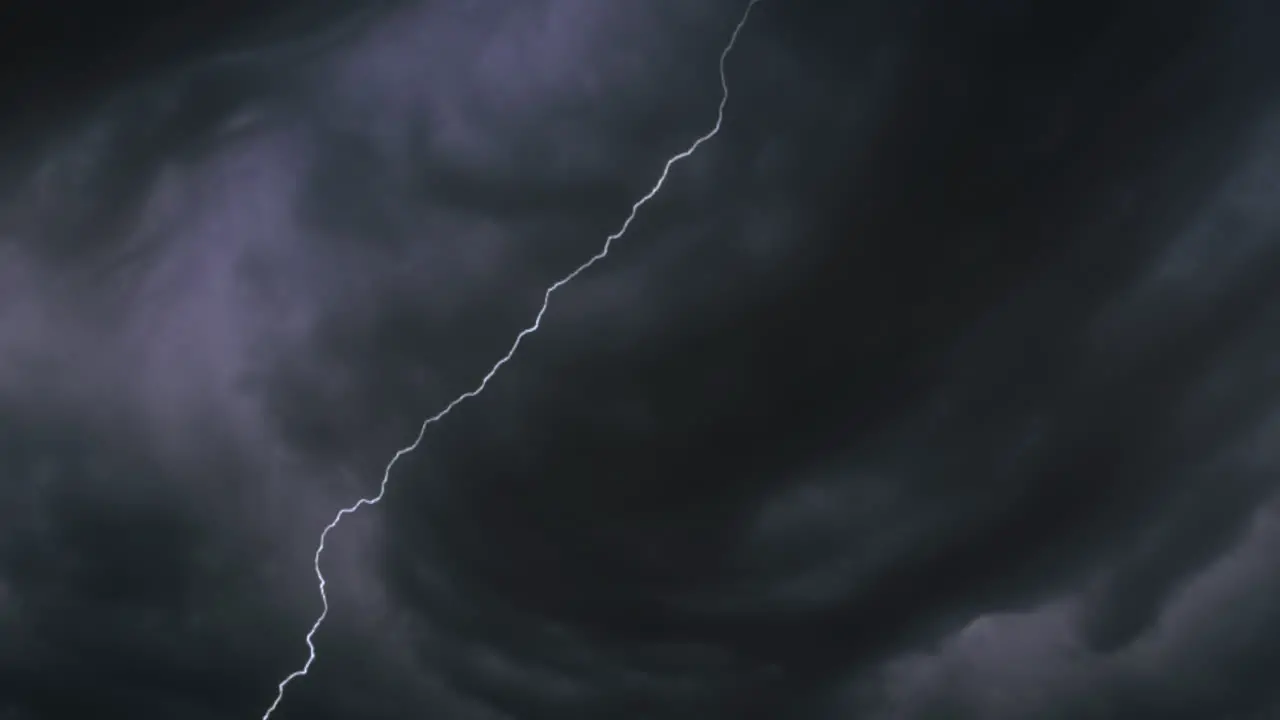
pixel 943 382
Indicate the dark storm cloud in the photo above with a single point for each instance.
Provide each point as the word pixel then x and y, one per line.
pixel 938 385
pixel 234 293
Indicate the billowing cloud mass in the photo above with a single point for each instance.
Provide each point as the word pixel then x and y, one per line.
pixel 940 384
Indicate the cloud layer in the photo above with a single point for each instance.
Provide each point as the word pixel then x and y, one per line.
pixel 938 385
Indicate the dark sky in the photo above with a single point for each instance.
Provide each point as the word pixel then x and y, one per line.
pixel 942 383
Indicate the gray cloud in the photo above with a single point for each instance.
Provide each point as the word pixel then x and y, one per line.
pixel 937 386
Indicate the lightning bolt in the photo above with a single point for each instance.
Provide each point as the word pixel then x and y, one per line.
pixel 515 345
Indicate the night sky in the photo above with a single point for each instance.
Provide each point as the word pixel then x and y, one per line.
pixel 943 382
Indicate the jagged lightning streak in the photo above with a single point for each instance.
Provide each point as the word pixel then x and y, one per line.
pixel 515 345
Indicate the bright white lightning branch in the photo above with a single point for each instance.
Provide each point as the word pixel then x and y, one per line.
pixel 515 345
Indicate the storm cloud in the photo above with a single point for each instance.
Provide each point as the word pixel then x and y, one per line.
pixel 940 384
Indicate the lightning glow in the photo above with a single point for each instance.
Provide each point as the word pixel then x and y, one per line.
pixel 515 345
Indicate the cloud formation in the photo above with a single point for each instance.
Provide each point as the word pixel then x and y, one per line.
pixel 938 385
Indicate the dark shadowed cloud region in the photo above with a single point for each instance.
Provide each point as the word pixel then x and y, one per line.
pixel 939 384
